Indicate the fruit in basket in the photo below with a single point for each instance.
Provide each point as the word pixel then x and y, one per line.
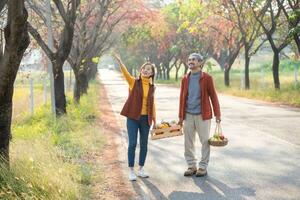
pixel 174 125
pixel 216 136
pixel 173 122
pixel 162 125
pixel 165 123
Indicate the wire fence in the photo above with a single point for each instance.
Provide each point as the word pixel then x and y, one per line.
pixel 32 90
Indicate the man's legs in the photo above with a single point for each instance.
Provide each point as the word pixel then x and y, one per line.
pixel 203 129
pixel 189 141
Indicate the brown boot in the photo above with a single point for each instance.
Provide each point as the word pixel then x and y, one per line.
pixel 201 172
pixel 190 171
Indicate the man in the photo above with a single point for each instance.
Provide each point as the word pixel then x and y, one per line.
pixel 195 113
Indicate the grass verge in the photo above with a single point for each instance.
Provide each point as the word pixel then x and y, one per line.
pixel 50 159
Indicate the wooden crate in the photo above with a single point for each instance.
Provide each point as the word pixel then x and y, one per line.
pixel 166 132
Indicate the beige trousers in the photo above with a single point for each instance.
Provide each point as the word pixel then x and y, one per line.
pixel 191 125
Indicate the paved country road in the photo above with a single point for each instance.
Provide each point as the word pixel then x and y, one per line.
pixel 261 161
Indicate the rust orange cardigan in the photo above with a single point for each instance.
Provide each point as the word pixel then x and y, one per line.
pixel 208 96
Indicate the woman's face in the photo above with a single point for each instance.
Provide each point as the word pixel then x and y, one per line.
pixel 146 71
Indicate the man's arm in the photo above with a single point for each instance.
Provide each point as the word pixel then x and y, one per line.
pixel 214 99
pixel 181 98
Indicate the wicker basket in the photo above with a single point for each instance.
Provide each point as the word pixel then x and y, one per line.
pixel 218 143
pixel 172 131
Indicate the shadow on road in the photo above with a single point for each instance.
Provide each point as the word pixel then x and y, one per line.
pixel 156 193
pixel 213 189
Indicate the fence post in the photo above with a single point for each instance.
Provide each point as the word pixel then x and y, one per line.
pixel 50 67
pixel 262 74
pixel 45 90
pixel 65 84
pixel 31 100
pixel 242 79
pixel 296 74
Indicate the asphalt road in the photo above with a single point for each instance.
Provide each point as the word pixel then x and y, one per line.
pixel 261 161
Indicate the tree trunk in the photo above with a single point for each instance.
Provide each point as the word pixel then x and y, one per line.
pixel 275 68
pixel 81 85
pixel 59 89
pixel 79 88
pixel 297 41
pixel 159 73
pixel 226 60
pixel 17 40
pixel 176 75
pixel 186 68
pixel 226 76
pixel 247 63
pixel 5 123
pixel 92 71
pixel 163 72
pixel 168 74
pixel 156 64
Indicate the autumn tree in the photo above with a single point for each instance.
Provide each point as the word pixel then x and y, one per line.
pixel 142 37
pixel 16 42
pixel 239 13
pixel 211 33
pixel 58 56
pixel 93 30
pixel 291 11
pixel 273 24
pixel 227 43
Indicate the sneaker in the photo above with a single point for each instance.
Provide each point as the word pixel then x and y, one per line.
pixel 142 173
pixel 201 172
pixel 132 176
pixel 190 171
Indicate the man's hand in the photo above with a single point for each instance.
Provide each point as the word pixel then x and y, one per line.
pixel 180 122
pixel 218 119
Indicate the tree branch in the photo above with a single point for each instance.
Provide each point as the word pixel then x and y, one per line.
pixel 38 10
pixel 61 10
pixel 257 48
pixel 34 33
pixel 2 4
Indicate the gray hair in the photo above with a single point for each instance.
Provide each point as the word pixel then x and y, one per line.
pixel 197 55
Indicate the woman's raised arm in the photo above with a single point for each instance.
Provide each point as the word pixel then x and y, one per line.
pixel 130 79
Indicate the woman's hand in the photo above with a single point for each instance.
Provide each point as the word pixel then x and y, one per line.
pixel 117 57
pixel 154 124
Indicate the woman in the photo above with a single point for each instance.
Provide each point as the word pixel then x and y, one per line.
pixel 140 112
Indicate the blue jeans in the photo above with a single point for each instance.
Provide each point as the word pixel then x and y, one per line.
pixel 133 126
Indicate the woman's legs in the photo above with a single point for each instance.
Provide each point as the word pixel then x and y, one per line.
pixel 132 129
pixel 144 133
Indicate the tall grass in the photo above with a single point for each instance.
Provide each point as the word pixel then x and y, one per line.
pixel 48 156
pixel 261 85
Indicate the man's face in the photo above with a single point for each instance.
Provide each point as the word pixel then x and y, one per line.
pixel 193 62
